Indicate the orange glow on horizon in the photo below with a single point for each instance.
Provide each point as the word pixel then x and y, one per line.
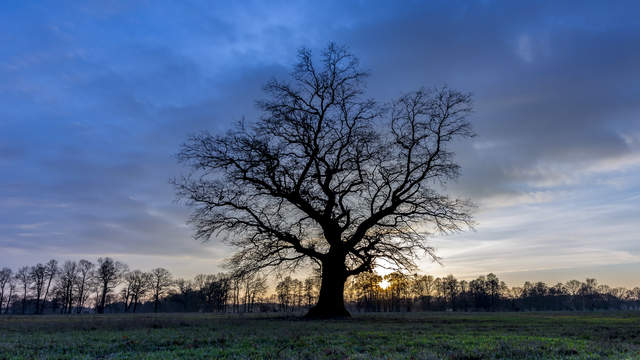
pixel 384 284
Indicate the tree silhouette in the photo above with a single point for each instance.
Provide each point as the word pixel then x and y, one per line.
pixel 161 280
pixel 329 176
pixel 22 276
pixel 51 270
pixel 108 274
pixel 38 275
pixel 5 282
pixel 67 281
pixel 137 284
pixel 85 277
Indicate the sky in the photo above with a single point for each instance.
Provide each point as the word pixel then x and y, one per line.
pixel 97 96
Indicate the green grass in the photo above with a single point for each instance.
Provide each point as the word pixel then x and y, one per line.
pixel 611 335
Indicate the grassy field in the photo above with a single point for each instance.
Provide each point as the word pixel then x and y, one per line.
pixel 382 336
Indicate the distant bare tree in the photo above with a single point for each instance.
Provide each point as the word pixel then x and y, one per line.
pixel 66 284
pixel 125 292
pixel 50 272
pixel 284 292
pixel 161 281
pixel 10 297
pixel 24 279
pixel 235 283
pixel 423 286
pixel 85 277
pixel 185 290
pixel 366 286
pixel 137 284
pixel 141 286
pixel 257 290
pixel 589 287
pixel 108 274
pixel 635 294
pixel 329 177
pixel 620 293
pixel 5 278
pixel 450 288
pixel 37 273
pixel 254 287
pixel 573 287
pixel 559 289
pixel 297 292
pixel 310 290
pixel 214 290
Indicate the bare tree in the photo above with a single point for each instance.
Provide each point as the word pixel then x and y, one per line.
pixel 50 271
pixel 310 285
pixel 125 292
pixel 85 277
pixel 23 277
pixel 37 274
pixel 185 292
pixel 10 297
pixel 5 278
pixel 298 293
pixel 366 286
pixel 108 274
pixel 66 284
pixel 235 283
pixel 329 177
pixel 254 286
pixel 589 287
pixel 161 281
pixel 283 292
pixel 423 286
pixel 214 290
pixel 141 286
pixel 137 284
pixel 573 287
pixel 257 289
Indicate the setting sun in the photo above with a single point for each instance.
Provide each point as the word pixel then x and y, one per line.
pixel 384 284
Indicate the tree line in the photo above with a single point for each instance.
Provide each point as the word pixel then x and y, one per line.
pixel 107 286
pixel 486 293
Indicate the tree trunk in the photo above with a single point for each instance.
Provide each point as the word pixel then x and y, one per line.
pixel 24 301
pixel 44 300
pixel 6 311
pixel 38 302
pixel 103 299
pixel 331 300
pixel 81 298
pixel 1 298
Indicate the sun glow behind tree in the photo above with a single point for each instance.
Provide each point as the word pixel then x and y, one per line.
pixel 384 284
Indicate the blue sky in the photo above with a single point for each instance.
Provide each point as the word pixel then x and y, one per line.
pixel 97 96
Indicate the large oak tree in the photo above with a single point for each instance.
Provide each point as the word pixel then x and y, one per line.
pixel 329 177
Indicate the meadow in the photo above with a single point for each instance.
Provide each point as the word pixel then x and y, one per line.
pixel 562 335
